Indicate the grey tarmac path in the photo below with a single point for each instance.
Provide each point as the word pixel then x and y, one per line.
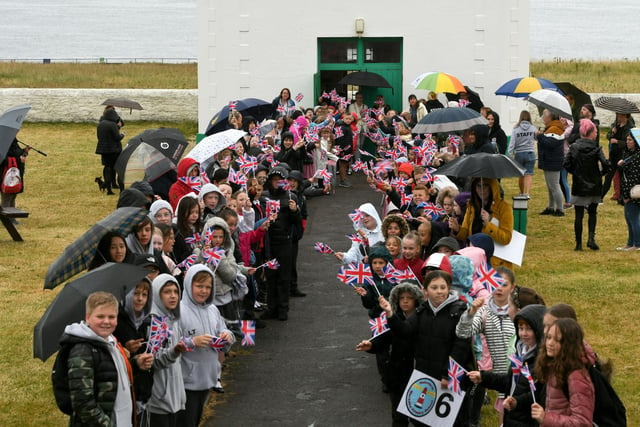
pixel 305 371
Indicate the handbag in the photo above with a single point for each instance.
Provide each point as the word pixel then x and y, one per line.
pixel 635 192
pixel 11 179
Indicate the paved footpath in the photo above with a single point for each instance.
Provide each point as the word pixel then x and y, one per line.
pixel 305 371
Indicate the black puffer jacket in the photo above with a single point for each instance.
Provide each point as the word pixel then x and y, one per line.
pixel 434 335
pixel 108 133
pixel 586 161
pixel 482 144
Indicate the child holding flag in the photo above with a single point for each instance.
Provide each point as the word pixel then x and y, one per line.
pixel 405 297
pixel 167 395
pixel 433 330
pixel 379 258
pixel 517 405
pixel 200 321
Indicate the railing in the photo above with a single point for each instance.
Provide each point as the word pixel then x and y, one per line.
pixel 104 60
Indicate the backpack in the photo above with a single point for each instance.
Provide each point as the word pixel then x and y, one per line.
pixel 11 180
pixel 609 411
pixel 60 379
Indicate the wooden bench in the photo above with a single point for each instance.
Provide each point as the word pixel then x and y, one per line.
pixel 6 215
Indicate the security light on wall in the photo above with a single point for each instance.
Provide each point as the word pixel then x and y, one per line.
pixel 359 26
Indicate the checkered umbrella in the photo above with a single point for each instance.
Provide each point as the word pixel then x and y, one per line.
pixel 77 256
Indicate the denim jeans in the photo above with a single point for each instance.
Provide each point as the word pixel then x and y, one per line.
pixel 632 216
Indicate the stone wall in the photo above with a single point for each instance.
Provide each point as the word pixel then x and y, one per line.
pixel 83 105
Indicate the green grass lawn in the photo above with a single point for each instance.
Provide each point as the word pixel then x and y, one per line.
pixel 64 201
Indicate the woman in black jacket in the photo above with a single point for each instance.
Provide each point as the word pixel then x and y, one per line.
pixel 630 176
pixel 586 161
pixel 497 137
pixel 109 145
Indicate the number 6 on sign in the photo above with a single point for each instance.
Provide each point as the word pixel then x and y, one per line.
pixel 424 400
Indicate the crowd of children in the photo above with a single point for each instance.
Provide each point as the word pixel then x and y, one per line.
pixel 224 246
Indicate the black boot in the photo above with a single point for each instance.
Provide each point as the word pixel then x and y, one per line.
pixel 591 243
pixel 577 227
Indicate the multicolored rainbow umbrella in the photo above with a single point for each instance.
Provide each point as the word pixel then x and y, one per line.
pixel 523 86
pixel 438 82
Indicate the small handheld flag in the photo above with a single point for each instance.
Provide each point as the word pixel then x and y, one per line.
pixel 213 256
pixel 489 277
pixel 378 325
pixel 524 370
pixel 322 248
pixel 271 265
pixel 218 343
pixel 248 328
pixel 299 97
pixel 456 373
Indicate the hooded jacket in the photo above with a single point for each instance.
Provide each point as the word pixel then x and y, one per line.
pixel 108 133
pixel 497 135
pixel 179 188
pixel 113 403
pixel 222 201
pixel 533 316
pixel 482 144
pixel 227 269
pixel 551 147
pixel 434 335
pixel 586 161
pixel 522 138
pixel 499 227
pixel 281 230
pixel 132 197
pixel 357 250
pixel 157 206
pixel 130 328
pixel 382 285
pixel 167 395
pixel 200 369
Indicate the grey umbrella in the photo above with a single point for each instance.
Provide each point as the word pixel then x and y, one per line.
pixel 449 120
pixel 68 305
pixel 617 105
pixel 10 123
pixel 482 165
pixel 123 103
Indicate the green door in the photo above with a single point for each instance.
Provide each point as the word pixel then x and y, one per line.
pixel 340 56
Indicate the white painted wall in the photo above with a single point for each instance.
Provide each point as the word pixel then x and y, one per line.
pixel 255 48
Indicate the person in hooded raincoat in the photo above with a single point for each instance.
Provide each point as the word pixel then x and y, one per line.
pixel 370 229
pixel 188 170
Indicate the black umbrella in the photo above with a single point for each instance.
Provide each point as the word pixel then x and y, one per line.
pixel 124 103
pixel 257 108
pixel 68 306
pixel 617 105
pixel 449 120
pixel 150 154
pixel 364 78
pixel 10 123
pixel 475 103
pixel 482 165
pixel 580 97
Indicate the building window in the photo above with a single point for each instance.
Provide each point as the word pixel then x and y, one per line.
pixel 383 51
pixel 338 51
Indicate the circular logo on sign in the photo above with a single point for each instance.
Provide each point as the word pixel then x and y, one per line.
pixel 164 145
pixel 421 397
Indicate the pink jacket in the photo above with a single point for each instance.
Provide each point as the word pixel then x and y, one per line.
pixel 576 412
pixel 245 241
pixel 477 256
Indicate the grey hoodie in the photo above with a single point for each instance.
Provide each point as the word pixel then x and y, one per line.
pixel 222 201
pixel 123 406
pixel 167 395
pixel 523 138
pixel 227 269
pixel 200 368
pixel 128 307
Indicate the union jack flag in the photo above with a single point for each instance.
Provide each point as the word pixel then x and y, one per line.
pixel 189 344
pixel 326 95
pixel 233 105
pixel 358 166
pixel 272 264
pixel 280 108
pixel 356 238
pixel 388 270
pixel 524 370
pixel 193 239
pixel 359 274
pixel 401 275
pixel 399 184
pixel 187 262
pixel 382 167
pixel 463 103
pixel 454 140
pixel 237 177
pixel 213 256
pixel 405 199
pixel 255 131
pixel 356 216
pixel 299 97
pixel 347 157
pixel 248 328
pixel 159 331
pixel 516 366
pixel 378 325
pixel 427 176
pixel 456 373
pixel 194 182
pixel 273 207
pixel 489 277
pixel 431 209
pixel 204 177
pixel 342 276
pixel 333 94
pixel 337 132
pixel 248 164
pixel 323 248
pixel 324 174
pixel 218 343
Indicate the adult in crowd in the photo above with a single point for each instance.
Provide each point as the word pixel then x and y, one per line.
pixel 20 156
pixel 617 137
pixel 551 159
pixel 522 150
pixel 586 161
pixel 283 103
pixel 417 110
pixel 433 103
pixel 478 140
pixel 497 137
pixel 629 167
pixel 109 145
pixel 358 107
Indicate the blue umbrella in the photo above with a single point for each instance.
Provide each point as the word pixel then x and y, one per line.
pixel 77 256
pixel 523 86
pixel 257 108
pixel 449 120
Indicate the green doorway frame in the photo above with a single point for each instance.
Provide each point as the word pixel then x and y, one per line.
pixel 332 71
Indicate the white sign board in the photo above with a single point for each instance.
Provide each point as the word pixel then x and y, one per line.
pixel 514 251
pixel 426 401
